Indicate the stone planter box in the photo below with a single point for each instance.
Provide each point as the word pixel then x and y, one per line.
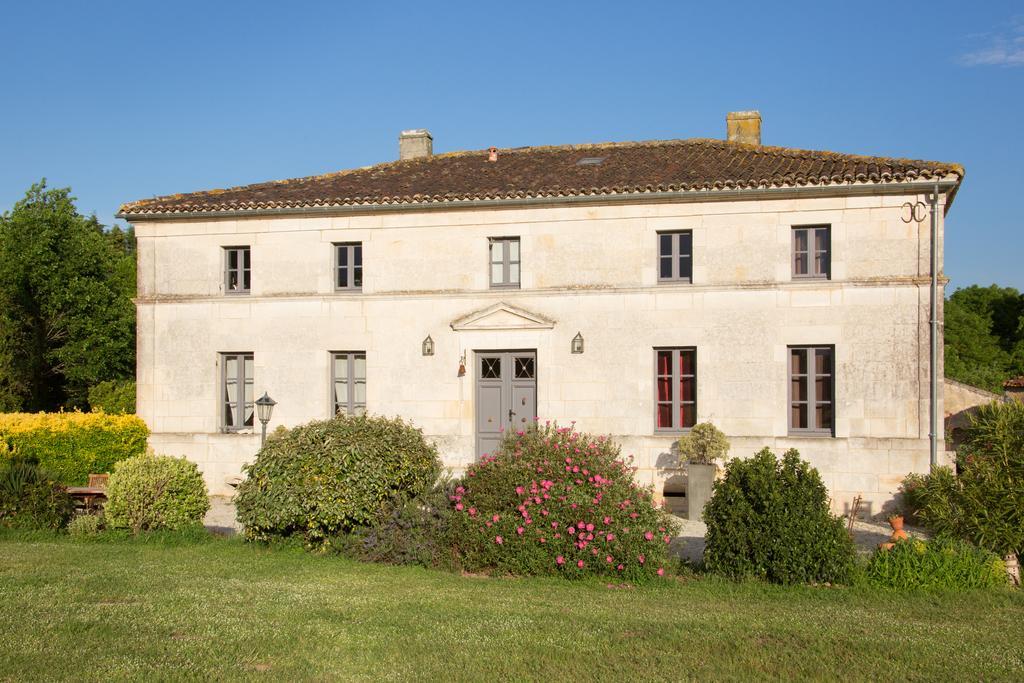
pixel 700 479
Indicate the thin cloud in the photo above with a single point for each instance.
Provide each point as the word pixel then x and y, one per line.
pixel 1000 49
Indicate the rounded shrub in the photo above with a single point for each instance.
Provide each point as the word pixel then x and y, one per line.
pixel 770 519
pixel 555 501
pixel 940 563
pixel 331 476
pixel 31 497
pixel 149 492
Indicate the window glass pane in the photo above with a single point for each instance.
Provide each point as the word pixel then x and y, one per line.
pixel 360 395
pixel 822 389
pixel 664 415
pixel 664 362
pixel 231 368
pixel 798 389
pixel 340 366
pixel 341 395
pixel 665 245
pixel 490 368
pixel 342 256
pixel 666 268
pixel 798 416
pixel 513 250
pixel 342 278
pixel 360 366
pixel 497 252
pixel 821 264
pixel 800 264
pixel 357 254
pixel 687 362
pixel 513 273
pixel 248 414
pixel 246 258
pixel 359 410
pixel 233 281
pixel 821 239
pixel 357 277
pixel 687 415
pixel 687 390
pixel 249 374
pixel 823 361
pixel 497 273
pixel 232 258
pixel 800 240
pixel 245 280
pixel 684 268
pixel 524 368
pixel 798 361
pixel 685 243
pixel 664 388
pixel 823 415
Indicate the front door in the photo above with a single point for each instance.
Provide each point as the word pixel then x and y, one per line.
pixel 506 395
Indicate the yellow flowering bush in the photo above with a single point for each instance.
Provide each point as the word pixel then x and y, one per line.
pixel 72 445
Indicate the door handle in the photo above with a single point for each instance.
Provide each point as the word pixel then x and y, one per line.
pixel 510 414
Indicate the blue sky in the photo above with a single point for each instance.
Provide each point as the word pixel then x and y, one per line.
pixel 125 100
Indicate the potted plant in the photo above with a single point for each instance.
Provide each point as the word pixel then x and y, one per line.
pixel 698 449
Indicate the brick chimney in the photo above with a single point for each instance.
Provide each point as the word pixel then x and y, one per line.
pixel 743 126
pixel 414 144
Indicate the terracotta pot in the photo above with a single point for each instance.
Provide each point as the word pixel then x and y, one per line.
pixel 898 535
pixel 886 546
pixel 896 522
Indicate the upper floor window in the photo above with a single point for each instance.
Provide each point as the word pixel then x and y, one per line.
pixel 811 389
pixel 675 256
pixel 675 381
pixel 812 252
pixel 237 270
pixel 348 382
pixel 348 265
pixel 236 391
pixel 504 261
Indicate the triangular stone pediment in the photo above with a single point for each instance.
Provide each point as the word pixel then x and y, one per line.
pixel 502 316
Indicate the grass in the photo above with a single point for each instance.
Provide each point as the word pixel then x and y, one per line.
pixel 126 609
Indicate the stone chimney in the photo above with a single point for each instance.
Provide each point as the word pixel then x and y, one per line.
pixel 743 126
pixel 414 144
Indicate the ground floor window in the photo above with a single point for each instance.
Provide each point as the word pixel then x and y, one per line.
pixel 236 391
pixel 348 382
pixel 675 381
pixel 811 389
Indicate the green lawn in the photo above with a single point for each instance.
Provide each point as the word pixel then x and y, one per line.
pixel 223 610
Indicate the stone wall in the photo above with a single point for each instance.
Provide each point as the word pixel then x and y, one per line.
pixel 590 270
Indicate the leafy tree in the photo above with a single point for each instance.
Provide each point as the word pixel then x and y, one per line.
pixel 984 335
pixel 67 320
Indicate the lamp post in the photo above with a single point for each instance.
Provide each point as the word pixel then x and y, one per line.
pixel 264 409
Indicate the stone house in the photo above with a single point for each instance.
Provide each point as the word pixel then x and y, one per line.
pixel 634 288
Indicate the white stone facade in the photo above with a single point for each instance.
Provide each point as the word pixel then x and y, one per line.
pixel 590 269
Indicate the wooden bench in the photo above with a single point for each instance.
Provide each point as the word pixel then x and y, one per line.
pixel 88 498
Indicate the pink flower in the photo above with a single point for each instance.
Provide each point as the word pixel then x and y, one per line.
pixel 459 506
pixel 472 512
pixel 520 530
pixel 559 560
pixel 642 559
pixel 667 539
pixel 543 540
pixel 607 520
pixel 572 531
pixel 610 537
pixel 608 559
pixel 620 567
pixel 590 527
pixel 661 571
pixel 554 525
pixel 495 518
pixel 459 489
pixel 648 535
pixel 519 490
pixel 499 540
pixel 579 564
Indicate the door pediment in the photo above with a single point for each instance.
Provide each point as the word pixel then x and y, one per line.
pixel 502 316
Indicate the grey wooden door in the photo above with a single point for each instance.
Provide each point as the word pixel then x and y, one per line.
pixel 506 395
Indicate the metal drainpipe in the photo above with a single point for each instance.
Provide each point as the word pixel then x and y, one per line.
pixel 934 356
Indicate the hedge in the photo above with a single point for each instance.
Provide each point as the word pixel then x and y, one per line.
pixel 72 445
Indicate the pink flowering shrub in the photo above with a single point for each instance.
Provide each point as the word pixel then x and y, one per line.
pixel 555 501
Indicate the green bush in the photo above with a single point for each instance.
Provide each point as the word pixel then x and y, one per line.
pixel 703 444
pixel 331 476
pixel 150 492
pixel 410 531
pixel 770 519
pixel 939 563
pixel 554 501
pixel 114 397
pixel 984 503
pixel 71 446
pixel 85 525
pixel 31 498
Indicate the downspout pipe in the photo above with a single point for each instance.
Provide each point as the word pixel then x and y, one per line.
pixel 933 360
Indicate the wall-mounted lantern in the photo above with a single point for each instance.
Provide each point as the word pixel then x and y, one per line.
pixel 264 409
pixel 577 343
pixel 428 346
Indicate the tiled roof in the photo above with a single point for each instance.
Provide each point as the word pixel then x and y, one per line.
pixel 546 172
pixel 1015 383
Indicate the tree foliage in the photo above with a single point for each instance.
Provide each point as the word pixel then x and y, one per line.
pixel 67 320
pixel 984 336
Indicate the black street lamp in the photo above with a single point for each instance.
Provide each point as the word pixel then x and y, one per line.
pixel 264 409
